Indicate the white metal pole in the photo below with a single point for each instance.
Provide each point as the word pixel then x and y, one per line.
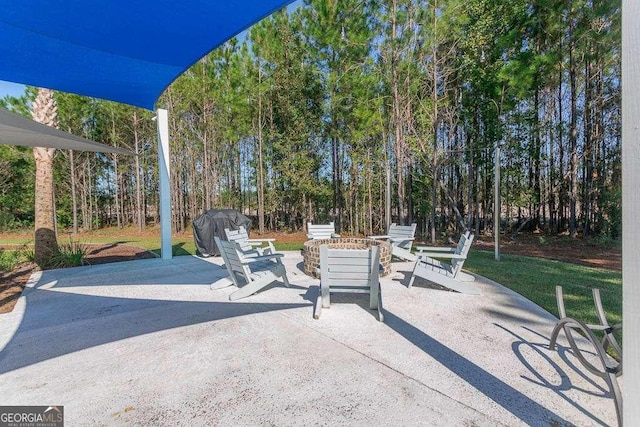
pixel 630 209
pixel 387 195
pixel 165 183
pixel 496 209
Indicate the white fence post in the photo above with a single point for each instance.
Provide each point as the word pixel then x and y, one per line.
pixel 630 209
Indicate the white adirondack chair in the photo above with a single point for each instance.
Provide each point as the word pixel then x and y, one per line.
pixel 249 273
pixel 321 231
pixel 422 252
pixel 250 247
pixel 349 270
pixel 401 238
pixel 446 274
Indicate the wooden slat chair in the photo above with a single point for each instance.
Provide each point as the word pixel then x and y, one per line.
pixel 349 270
pixel 609 368
pixel 321 231
pixel 250 273
pixel 445 250
pixel 250 247
pixel 446 274
pixel 401 238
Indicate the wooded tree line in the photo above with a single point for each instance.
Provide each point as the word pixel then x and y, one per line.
pixel 323 112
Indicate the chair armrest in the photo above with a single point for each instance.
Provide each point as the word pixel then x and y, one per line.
pixel 260 258
pixel 440 255
pixel 435 249
pixel 402 239
pixel 260 240
pixel 379 237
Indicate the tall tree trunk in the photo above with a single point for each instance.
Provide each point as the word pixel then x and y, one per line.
pixel 434 194
pixel 44 111
pixel 116 183
pixel 573 133
pixel 434 128
pixel 600 147
pixel 85 198
pixel 387 188
pixel 537 191
pixel 588 149
pixel 397 117
pixel 562 183
pixel 139 210
pixel 45 239
pixel 337 181
pixel 551 190
pixel 74 198
pixel 370 194
pixel 260 180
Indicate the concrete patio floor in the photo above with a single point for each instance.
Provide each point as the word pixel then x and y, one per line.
pixel 148 343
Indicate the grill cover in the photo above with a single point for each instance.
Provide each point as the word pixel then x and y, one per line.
pixel 212 223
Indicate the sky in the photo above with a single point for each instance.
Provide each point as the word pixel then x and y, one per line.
pixel 8 88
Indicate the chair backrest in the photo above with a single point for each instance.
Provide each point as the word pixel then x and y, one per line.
pixel 320 231
pixel 463 249
pixel 351 270
pixel 463 238
pixel 232 257
pixel 402 235
pixel 240 236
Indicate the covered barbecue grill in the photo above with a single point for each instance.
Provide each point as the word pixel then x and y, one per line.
pixel 212 223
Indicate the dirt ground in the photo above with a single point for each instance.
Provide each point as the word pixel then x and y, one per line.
pixel 560 248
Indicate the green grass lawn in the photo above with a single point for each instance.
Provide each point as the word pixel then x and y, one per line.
pixel 536 279
pixel 181 244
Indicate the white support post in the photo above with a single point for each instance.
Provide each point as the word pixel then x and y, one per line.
pixel 630 209
pixel 496 209
pixel 387 197
pixel 165 183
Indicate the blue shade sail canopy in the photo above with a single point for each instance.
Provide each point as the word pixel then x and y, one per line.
pixel 127 52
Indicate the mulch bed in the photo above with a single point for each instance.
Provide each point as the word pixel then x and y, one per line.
pixel 12 283
pixel 578 251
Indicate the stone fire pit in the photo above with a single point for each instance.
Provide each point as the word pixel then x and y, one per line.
pixel 311 251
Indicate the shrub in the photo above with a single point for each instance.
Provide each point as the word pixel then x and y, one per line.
pixel 9 259
pixel 70 254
